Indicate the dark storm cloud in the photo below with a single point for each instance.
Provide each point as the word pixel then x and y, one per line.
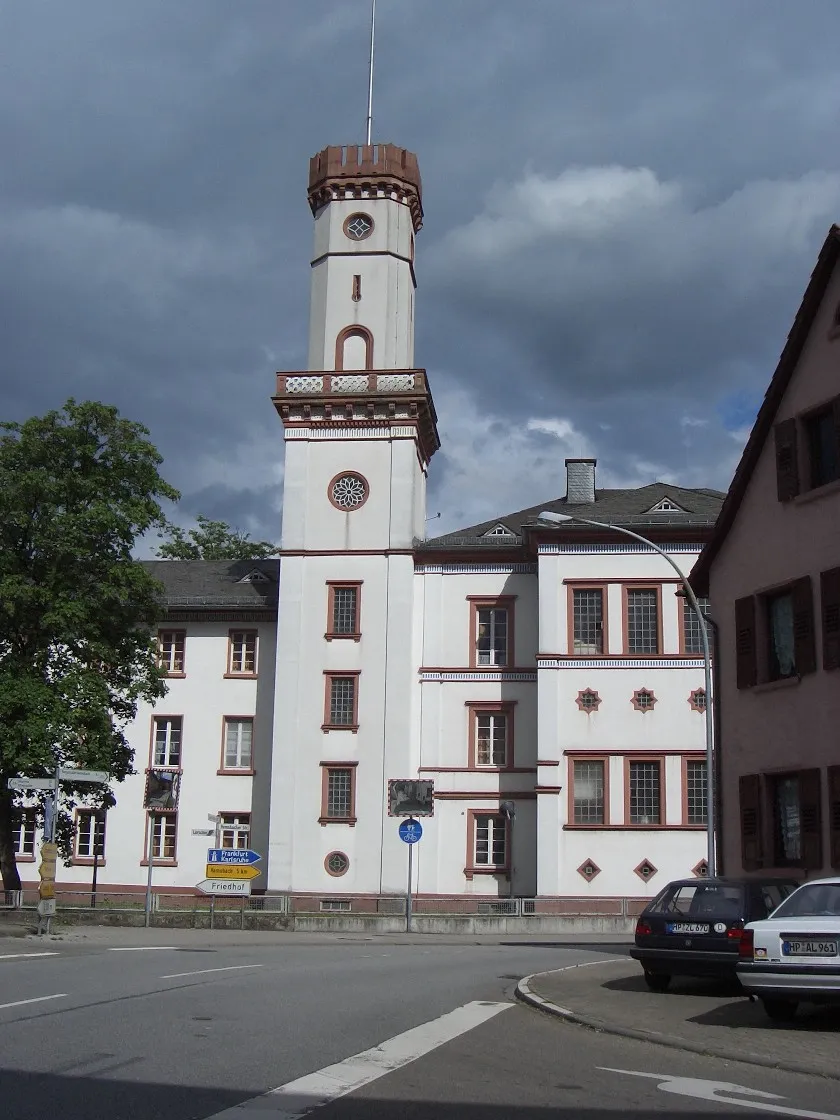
pixel 623 203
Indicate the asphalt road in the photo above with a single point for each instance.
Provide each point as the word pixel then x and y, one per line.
pixel 205 1026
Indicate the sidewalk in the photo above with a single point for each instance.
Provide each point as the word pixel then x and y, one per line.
pixel 705 1017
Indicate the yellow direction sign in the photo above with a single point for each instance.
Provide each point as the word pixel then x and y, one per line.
pixel 231 871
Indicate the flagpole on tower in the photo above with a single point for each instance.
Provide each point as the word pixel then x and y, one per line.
pixel 370 70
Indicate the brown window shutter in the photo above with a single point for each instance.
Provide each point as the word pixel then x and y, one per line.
pixel 746 671
pixel 830 610
pixel 752 847
pixel 804 641
pixel 810 817
pixel 836 409
pixel 834 814
pixel 787 460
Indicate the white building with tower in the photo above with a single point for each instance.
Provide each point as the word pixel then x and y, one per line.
pixel 548 679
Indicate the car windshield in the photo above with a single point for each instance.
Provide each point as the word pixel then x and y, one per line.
pixel 814 900
pixel 697 899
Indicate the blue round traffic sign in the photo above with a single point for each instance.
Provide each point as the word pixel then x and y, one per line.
pixel 410 831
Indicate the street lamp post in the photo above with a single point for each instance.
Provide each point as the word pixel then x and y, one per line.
pixel 711 859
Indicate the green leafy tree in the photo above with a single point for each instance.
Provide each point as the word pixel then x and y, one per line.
pixel 213 540
pixel 77 612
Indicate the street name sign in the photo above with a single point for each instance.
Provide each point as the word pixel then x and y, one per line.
pixel 231 871
pixel 71 774
pixel 410 831
pixel 31 783
pixel 225 886
pixel 232 855
pixel 202 832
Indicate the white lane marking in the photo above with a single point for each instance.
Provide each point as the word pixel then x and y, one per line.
pixel 21 956
pixel 37 999
pixel 298 1098
pixel 140 948
pixel 704 1090
pixel 202 971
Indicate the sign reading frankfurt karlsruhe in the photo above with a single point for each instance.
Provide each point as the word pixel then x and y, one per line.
pixel 411 797
pixel 232 855
pixel 230 887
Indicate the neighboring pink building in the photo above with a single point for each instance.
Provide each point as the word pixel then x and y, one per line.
pixel 772 573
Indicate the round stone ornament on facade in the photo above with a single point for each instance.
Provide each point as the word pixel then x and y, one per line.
pixel 337 864
pixel 358 226
pixel 348 491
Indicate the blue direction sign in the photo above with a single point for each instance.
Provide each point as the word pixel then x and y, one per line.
pixel 410 831
pixel 232 855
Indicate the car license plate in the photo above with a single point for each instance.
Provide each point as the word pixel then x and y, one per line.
pixel 686 927
pixel 810 947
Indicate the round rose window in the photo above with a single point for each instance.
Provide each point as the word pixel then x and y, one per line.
pixel 336 863
pixel 358 226
pixel 348 491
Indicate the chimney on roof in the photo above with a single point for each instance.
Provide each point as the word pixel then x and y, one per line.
pixel 580 481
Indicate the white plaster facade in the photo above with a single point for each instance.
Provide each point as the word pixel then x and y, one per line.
pixel 420 685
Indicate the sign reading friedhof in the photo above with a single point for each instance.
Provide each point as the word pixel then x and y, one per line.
pixel 411 797
pixel 224 886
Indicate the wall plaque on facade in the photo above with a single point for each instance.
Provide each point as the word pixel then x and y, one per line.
pixel 162 787
pixel 410 797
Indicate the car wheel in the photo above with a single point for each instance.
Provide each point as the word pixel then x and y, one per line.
pixel 657 981
pixel 780 1010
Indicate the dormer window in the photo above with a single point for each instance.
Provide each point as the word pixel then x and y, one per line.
pixel 499 531
pixel 255 576
pixel 667 505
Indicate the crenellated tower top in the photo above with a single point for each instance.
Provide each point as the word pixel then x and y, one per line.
pixel 366 171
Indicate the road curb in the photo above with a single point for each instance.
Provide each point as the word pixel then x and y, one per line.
pixel 526 993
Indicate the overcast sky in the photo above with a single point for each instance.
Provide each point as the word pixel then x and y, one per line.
pixel 624 200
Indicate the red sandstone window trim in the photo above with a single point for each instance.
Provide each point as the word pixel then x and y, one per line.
pixel 235 770
pixel 326 768
pixel 242 650
pixel 505 603
pixel 171 652
pixel 329 676
pixel 331 633
pixel 584 756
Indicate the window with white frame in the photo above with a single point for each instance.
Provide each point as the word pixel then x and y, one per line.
pixel 235 830
pixel 171 650
pixel 167 741
pixel 23 833
pixel 90 834
pixel 642 620
pixel 490 840
pixel 239 735
pixel 696 803
pixel 588 787
pixel 491 738
pixel 164 835
pixel 588 620
pixel 242 656
pixel 645 780
pixel 692 637
pixel 492 635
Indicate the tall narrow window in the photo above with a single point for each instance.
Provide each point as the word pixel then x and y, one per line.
pixel 588 621
pixel 357 288
pixel 235 830
pixel 164 834
pixel 696 804
pixel 338 793
pixel 490 840
pixel 242 653
pixel 90 834
pixel 171 651
pixel 239 735
pixel 645 793
pixel 781 660
pixel 23 834
pixel 167 741
pixel 342 702
pixel 491 738
pixel 588 786
pixel 343 617
pixel 823 439
pixel 692 637
pixel 642 620
pixel 491 644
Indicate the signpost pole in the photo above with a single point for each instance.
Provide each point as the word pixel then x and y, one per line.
pixel 151 856
pixel 410 880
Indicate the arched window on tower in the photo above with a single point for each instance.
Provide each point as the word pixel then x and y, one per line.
pixel 354 349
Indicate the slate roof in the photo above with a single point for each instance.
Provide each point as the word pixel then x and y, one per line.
pixel 216 583
pixel 620 507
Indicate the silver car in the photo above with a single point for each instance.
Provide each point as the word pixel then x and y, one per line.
pixel 792 956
